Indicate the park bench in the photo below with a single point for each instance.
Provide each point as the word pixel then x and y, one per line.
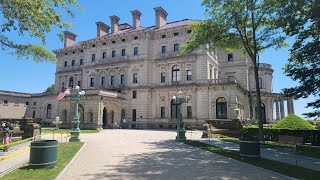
pixel 295 140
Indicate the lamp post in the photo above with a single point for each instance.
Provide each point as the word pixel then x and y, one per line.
pixel 75 132
pixel 179 101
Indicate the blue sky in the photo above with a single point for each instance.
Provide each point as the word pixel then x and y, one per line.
pixel 31 77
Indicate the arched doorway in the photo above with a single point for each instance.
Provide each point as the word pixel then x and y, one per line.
pixel 263 112
pixel 104 118
pixel 221 108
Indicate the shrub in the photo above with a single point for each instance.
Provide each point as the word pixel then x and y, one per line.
pixel 293 122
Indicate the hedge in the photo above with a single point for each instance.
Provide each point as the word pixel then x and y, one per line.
pixel 293 122
pixel 252 133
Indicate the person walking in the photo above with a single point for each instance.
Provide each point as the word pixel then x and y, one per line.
pixel 6 138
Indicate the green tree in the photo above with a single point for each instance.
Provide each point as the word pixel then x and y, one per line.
pixel 50 89
pixel 300 19
pixel 247 25
pixel 34 18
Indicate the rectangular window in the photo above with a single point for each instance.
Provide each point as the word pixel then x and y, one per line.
pixel 163 77
pixel 113 42
pixel 135 78
pixel 260 83
pixel 123 52
pixel 113 54
pixel 93 57
pixel 231 79
pixel 33 114
pixel 123 40
pixel 136 37
pixel 112 83
pixel 65 64
pixel 176 48
pixel 162 112
pixel 189 112
pixel 27 103
pixel 164 49
pixel 189 31
pixel 81 62
pixel 73 62
pixel 135 51
pixel 5 102
pixel 163 36
pixel 104 55
pixel 79 83
pixel 134 115
pixel 189 75
pixel 91 82
pixel 122 80
pixel 102 81
pixel 176 34
pixel 134 94
pixel 230 57
pixel 34 103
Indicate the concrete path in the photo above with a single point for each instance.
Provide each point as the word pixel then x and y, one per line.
pixel 277 154
pixel 151 154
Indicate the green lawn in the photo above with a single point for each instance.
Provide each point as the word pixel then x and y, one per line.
pixel 66 151
pixel 282 168
pixel 66 131
pixel 311 151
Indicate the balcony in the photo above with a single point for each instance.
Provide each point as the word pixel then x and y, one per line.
pixel 230 80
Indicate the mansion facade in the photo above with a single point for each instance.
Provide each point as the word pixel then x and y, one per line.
pixel 132 72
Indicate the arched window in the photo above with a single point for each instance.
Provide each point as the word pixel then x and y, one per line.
pixel 221 108
pixel 174 109
pixel 64 115
pixel 71 82
pixel 48 111
pixel 175 73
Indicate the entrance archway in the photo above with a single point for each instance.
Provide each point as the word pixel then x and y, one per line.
pixel 104 118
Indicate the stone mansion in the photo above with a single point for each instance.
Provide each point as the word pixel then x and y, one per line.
pixel 132 72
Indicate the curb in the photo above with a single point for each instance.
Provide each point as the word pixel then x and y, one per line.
pixel 72 160
pixel 13 168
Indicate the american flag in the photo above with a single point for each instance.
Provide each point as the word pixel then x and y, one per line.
pixel 62 93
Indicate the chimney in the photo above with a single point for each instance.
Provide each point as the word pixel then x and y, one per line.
pixel 136 18
pixel 102 29
pixel 69 38
pixel 161 16
pixel 114 23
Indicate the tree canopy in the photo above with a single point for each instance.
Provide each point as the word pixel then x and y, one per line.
pixel 247 25
pixel 300 19
pixel 50 89
pixel 34 18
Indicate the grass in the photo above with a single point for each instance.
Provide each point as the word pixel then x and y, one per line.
pixel 66 152
pixel 310 151
pixel 66 131
pixel 282 168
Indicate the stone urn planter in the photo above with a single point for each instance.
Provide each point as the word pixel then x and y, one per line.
pixel 250 149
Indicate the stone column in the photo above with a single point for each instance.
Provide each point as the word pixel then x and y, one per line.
pixel 288 106
pixel 292 106
pixel 281 109
pixel 277 109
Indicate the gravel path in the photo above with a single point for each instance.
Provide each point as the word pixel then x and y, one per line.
pixel 152 154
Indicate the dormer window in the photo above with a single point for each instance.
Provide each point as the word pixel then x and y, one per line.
pixel 93 45
pixel 176 34
pixel 230 57
pixel 163 36
pixel 104 43
pixel 136 37
pixel 73 52
pixel 123 40
pixel 81 50
pixel 113 42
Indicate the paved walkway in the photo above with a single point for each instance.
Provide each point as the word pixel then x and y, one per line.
pixel 277 154
pixel 151 154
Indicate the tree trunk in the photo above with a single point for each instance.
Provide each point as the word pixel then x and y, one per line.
pixel 258 102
